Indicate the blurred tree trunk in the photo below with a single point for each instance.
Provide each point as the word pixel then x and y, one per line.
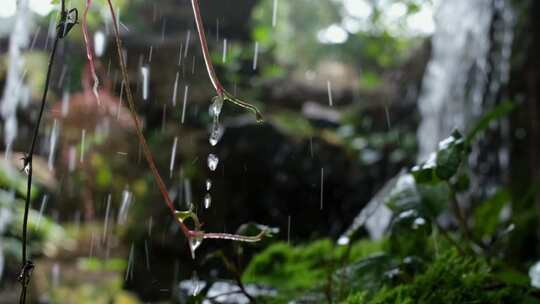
pixel 525 90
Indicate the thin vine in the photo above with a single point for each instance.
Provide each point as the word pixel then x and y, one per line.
pixel 196 235
pixel 67 20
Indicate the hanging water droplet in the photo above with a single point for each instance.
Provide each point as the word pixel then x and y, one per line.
pixel 207 200
pixel 194 243
pixel 208 184
pixel 213 161
pixel 215 110
pixel 215 107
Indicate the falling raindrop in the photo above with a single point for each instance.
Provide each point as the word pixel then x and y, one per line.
pixel 55 273
pixel 187 191
pixel 207 200
pixel 173 156
pixel 124 207
pixel 145 72
pixel 329 88
pixel 150 225
pixel 65 104
pixel 147 255
pixel 83 137
pixel 180 54
pixel 224 58
pixel 387 113
pixel 289 230
pixel 72 154
pixel 107 211
pixel 322 187
pixel 62 76
pixel 36 35
pixel 212 161
pixel 188 38
pixel 208 184
pixel 175 89
pixel 52 144
pixel 163 29
pixel 186 90
pixel 274 13
pixel 255 56
pixel 129 270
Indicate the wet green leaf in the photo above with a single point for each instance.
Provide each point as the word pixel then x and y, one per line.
pixel 449 156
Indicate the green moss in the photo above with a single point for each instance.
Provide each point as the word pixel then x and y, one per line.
pixel 449 279
pixel 303 267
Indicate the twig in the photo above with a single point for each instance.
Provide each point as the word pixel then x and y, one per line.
pixel 64 25
pixel 220 90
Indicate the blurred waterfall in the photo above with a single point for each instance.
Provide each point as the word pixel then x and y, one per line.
pixel 464 79
pixel 469 64
pixel 15 91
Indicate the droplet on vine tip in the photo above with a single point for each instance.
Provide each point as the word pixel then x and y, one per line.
pixel 194 243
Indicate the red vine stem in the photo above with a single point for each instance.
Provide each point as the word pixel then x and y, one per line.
pixel 146 150
pixel 204 46
pixel 89 51
pixel 190 234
